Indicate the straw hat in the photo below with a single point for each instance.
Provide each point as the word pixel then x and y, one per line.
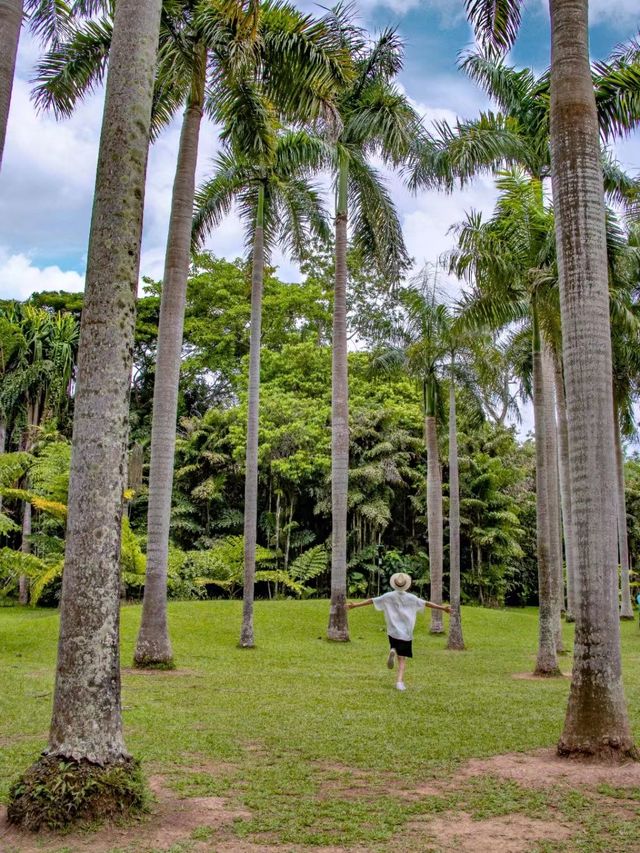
pixel 400 581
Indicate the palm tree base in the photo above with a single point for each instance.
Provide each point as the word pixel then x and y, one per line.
pixel 153 652
pixel 627 618
pixel 57 791
pixel 539 672
pixel 608 751
pixel 436 631
pixel 154 663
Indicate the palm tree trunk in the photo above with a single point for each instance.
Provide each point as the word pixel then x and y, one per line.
pixel 434 515
pixel 626 607
pixel 10 24
pixel 153 647
pixel 565 487
pixel 253 405
pixel 596 722
pixel 338 625
pixel 553 493
pixel 25 547
pixel 86 726
pixel 455 640
pixel 546 663
pixel 3 443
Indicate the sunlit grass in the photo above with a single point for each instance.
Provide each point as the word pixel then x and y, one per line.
pixel 275 726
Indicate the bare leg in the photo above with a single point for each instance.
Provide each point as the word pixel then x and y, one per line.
pixel 401 664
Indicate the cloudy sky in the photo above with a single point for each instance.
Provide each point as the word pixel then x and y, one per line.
pixel 48 172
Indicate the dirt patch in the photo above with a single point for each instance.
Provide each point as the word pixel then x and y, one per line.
pixel 170 821
pixel 544 768
pixel 529 676
pixel 507 834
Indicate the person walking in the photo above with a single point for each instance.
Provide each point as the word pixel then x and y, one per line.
pixel 400 609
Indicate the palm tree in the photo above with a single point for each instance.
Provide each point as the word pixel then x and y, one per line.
pixel 422 348
pixel 86 727
pixel 596 723
pixel 455 640
pixel 267 175
pixel 510 260
pixel 48 20
pixel 202 47
pixel 519 134
pixel 374 118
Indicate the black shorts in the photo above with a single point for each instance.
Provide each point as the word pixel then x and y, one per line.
pixel 402 647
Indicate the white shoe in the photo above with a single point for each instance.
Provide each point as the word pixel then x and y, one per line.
pixel 400 686
pixel 391 659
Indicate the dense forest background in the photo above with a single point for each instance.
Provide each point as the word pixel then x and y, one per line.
pixel 387 479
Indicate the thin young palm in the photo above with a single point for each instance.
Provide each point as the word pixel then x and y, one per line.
pixel 374 118
pixel 279 205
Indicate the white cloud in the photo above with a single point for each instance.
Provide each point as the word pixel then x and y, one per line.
pixel 19 277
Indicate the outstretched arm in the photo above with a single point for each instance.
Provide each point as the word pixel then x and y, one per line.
pixel 444 607
pixel 352 604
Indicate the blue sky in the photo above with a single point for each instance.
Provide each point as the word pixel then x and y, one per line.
pixel 47 177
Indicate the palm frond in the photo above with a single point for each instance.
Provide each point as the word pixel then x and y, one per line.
pixel 495 22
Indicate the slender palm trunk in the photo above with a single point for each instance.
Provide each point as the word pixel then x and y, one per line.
pixel 547 662
pixel 10 24
pixel 626 607
pixel 86 726
pixel 3 443
pixel 154 645
pixel 253 405
pixel 553 493
pixel 565 487
pixel 338 625
pixel 434 511
pixel 455 640
pixel 596 721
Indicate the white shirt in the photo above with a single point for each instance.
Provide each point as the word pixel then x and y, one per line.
pixel 400 610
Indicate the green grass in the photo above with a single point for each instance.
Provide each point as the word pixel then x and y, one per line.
pixel 283 729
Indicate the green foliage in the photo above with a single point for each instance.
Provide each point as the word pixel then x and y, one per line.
pixel 56 792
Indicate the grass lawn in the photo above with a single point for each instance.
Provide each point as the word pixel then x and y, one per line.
pixel 301 743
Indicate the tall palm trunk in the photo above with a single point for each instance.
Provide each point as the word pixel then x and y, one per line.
pixel 86 725
pixel 338 625
pixel 10 24
pixel 253 412
pixel 553 493
pixel 434 508
pixel 154 645
pixel 455 640
pixel 547 662
pixel 565 487
pixel 596 722
pixel 626 607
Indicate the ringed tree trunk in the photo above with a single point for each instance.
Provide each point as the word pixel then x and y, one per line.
pixel 434 506
pixel 596 723
pixel 153 648
pixel 565 487
pixel 86 739
pixel 455 640
pixel 253 410
pixel 338 626
pixel 546 662
pixel 553 493
pixel 10 23
pixel 626 607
